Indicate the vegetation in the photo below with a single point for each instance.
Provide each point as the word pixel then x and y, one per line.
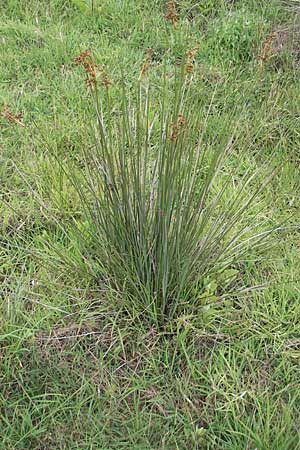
pixel 142 305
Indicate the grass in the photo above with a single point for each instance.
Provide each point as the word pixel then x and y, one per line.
pixel 75 371
pixel 161 222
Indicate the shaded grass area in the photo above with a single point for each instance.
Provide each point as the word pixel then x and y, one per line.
pixel 76 373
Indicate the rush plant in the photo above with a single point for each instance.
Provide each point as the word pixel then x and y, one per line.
pixel 161 218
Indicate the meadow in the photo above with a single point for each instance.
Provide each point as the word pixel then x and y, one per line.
pixel 149 232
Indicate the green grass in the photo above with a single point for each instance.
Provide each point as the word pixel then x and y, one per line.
pixel 75 371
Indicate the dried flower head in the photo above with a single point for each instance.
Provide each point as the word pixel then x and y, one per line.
pixel 81 58
pixel 171 13
pixel 13 118
pixel 87 61
pixel 174 132
pixel 104 78
pixel 267 48
pixel 181 121
pixel 145 64
pixel 190 57
pixel 176 127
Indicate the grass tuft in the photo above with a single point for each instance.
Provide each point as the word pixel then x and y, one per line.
pixel 160 221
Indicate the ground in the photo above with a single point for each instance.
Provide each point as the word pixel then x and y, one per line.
pixel 76 374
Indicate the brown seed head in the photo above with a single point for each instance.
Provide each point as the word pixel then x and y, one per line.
pixel 267 48
pixel 81 58
pixel 176 127
pixel 190 55
pixel 145 65
pixel 171 13
pixel 181 121
pixel 104 78
pixel 87 61
pixel 13 118
pixel 174 132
